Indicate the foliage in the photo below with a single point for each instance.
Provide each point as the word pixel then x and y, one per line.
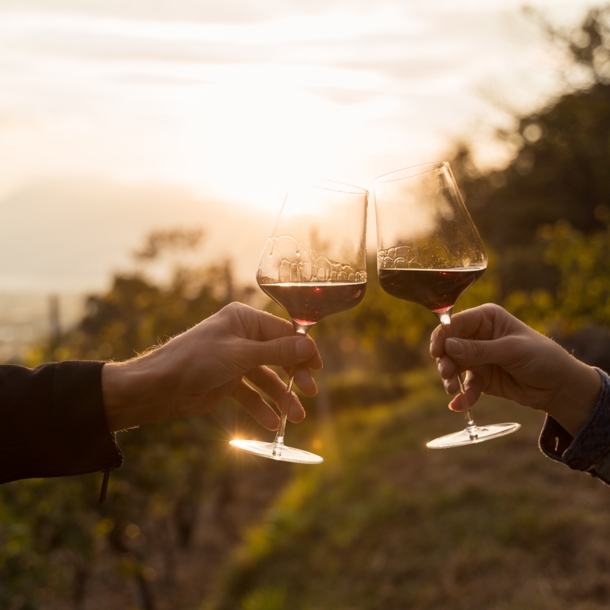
pixel 582 297
pixel 48 536
pixel 545 220
pixel 390 524
pixel 172 467
pixel 559 170
pixel 54 528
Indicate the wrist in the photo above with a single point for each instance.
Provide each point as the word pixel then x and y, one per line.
pixel 131 393
pixel 573 405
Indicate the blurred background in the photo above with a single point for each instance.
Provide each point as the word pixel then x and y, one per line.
pixel 145 148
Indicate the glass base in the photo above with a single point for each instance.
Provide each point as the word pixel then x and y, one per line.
pixel 477 434
pixel 281 453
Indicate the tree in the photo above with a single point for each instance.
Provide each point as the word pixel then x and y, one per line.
pixel 577 313
pixel 560 168
pixel 52 529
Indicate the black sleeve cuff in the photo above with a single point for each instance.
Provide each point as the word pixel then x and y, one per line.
pixel 56 423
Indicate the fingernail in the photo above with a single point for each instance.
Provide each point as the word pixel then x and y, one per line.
pixel 454 346
pixel 303 348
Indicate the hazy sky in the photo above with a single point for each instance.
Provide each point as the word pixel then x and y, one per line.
pixel 233 99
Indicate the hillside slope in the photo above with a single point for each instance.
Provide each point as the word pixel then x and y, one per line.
pixel 386 523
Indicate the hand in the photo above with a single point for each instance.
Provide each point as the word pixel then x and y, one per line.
pixel 225 355
pixel 504 357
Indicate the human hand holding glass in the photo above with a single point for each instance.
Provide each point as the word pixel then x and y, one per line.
pixel 313 265
pixel 429 252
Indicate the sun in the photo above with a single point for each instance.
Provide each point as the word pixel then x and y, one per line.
pixel 253 140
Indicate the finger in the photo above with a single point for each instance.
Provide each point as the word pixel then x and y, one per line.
pixel 269 382
pixel 487 321
pixel 266 380
pixel 446 367
pixel 289 370
pixel 275 339
pixel 473 385
pixel 305 381
pixel 264 326
pixel 478 322
pixel 437 342
pixel 451 384
pixel 468 353
pixel 449 371
pixel 254 404
pixel 285 351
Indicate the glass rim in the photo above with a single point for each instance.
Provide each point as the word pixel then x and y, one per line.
pixel 413 171
pixel 337 187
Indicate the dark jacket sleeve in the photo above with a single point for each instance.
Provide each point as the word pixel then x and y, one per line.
pixel 53 423
pixel 590 450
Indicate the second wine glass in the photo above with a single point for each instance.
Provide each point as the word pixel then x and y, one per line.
pixel 429 252
pixel 313 265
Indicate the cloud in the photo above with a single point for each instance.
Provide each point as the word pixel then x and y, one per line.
pixel 195 92
pixel 234 11
pixel 342 96
pixel 225 11
pixel 395 44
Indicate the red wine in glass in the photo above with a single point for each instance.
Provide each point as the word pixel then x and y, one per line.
pixel 307 304
pixel 436 289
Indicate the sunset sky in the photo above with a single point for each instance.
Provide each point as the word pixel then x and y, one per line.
pixel 209 104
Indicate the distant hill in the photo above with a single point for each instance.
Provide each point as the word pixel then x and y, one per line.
pixel 70 234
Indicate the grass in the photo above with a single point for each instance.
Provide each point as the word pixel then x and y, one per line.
pixel 386 523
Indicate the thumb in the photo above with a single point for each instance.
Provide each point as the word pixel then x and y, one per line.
pixel 284 351
pixel 474 352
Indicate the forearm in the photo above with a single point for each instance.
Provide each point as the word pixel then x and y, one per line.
pixel 577 395
pixel 135 392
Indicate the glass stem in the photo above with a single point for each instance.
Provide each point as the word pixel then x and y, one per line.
pixel 471 427
pixel 278 442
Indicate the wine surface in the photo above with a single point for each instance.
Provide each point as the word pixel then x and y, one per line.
pixel 436 289
pixel 306 304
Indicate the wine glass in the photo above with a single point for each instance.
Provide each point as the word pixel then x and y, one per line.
pixel 313 265
pixel 429 252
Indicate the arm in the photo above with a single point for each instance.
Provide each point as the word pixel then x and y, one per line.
pixel 59 419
